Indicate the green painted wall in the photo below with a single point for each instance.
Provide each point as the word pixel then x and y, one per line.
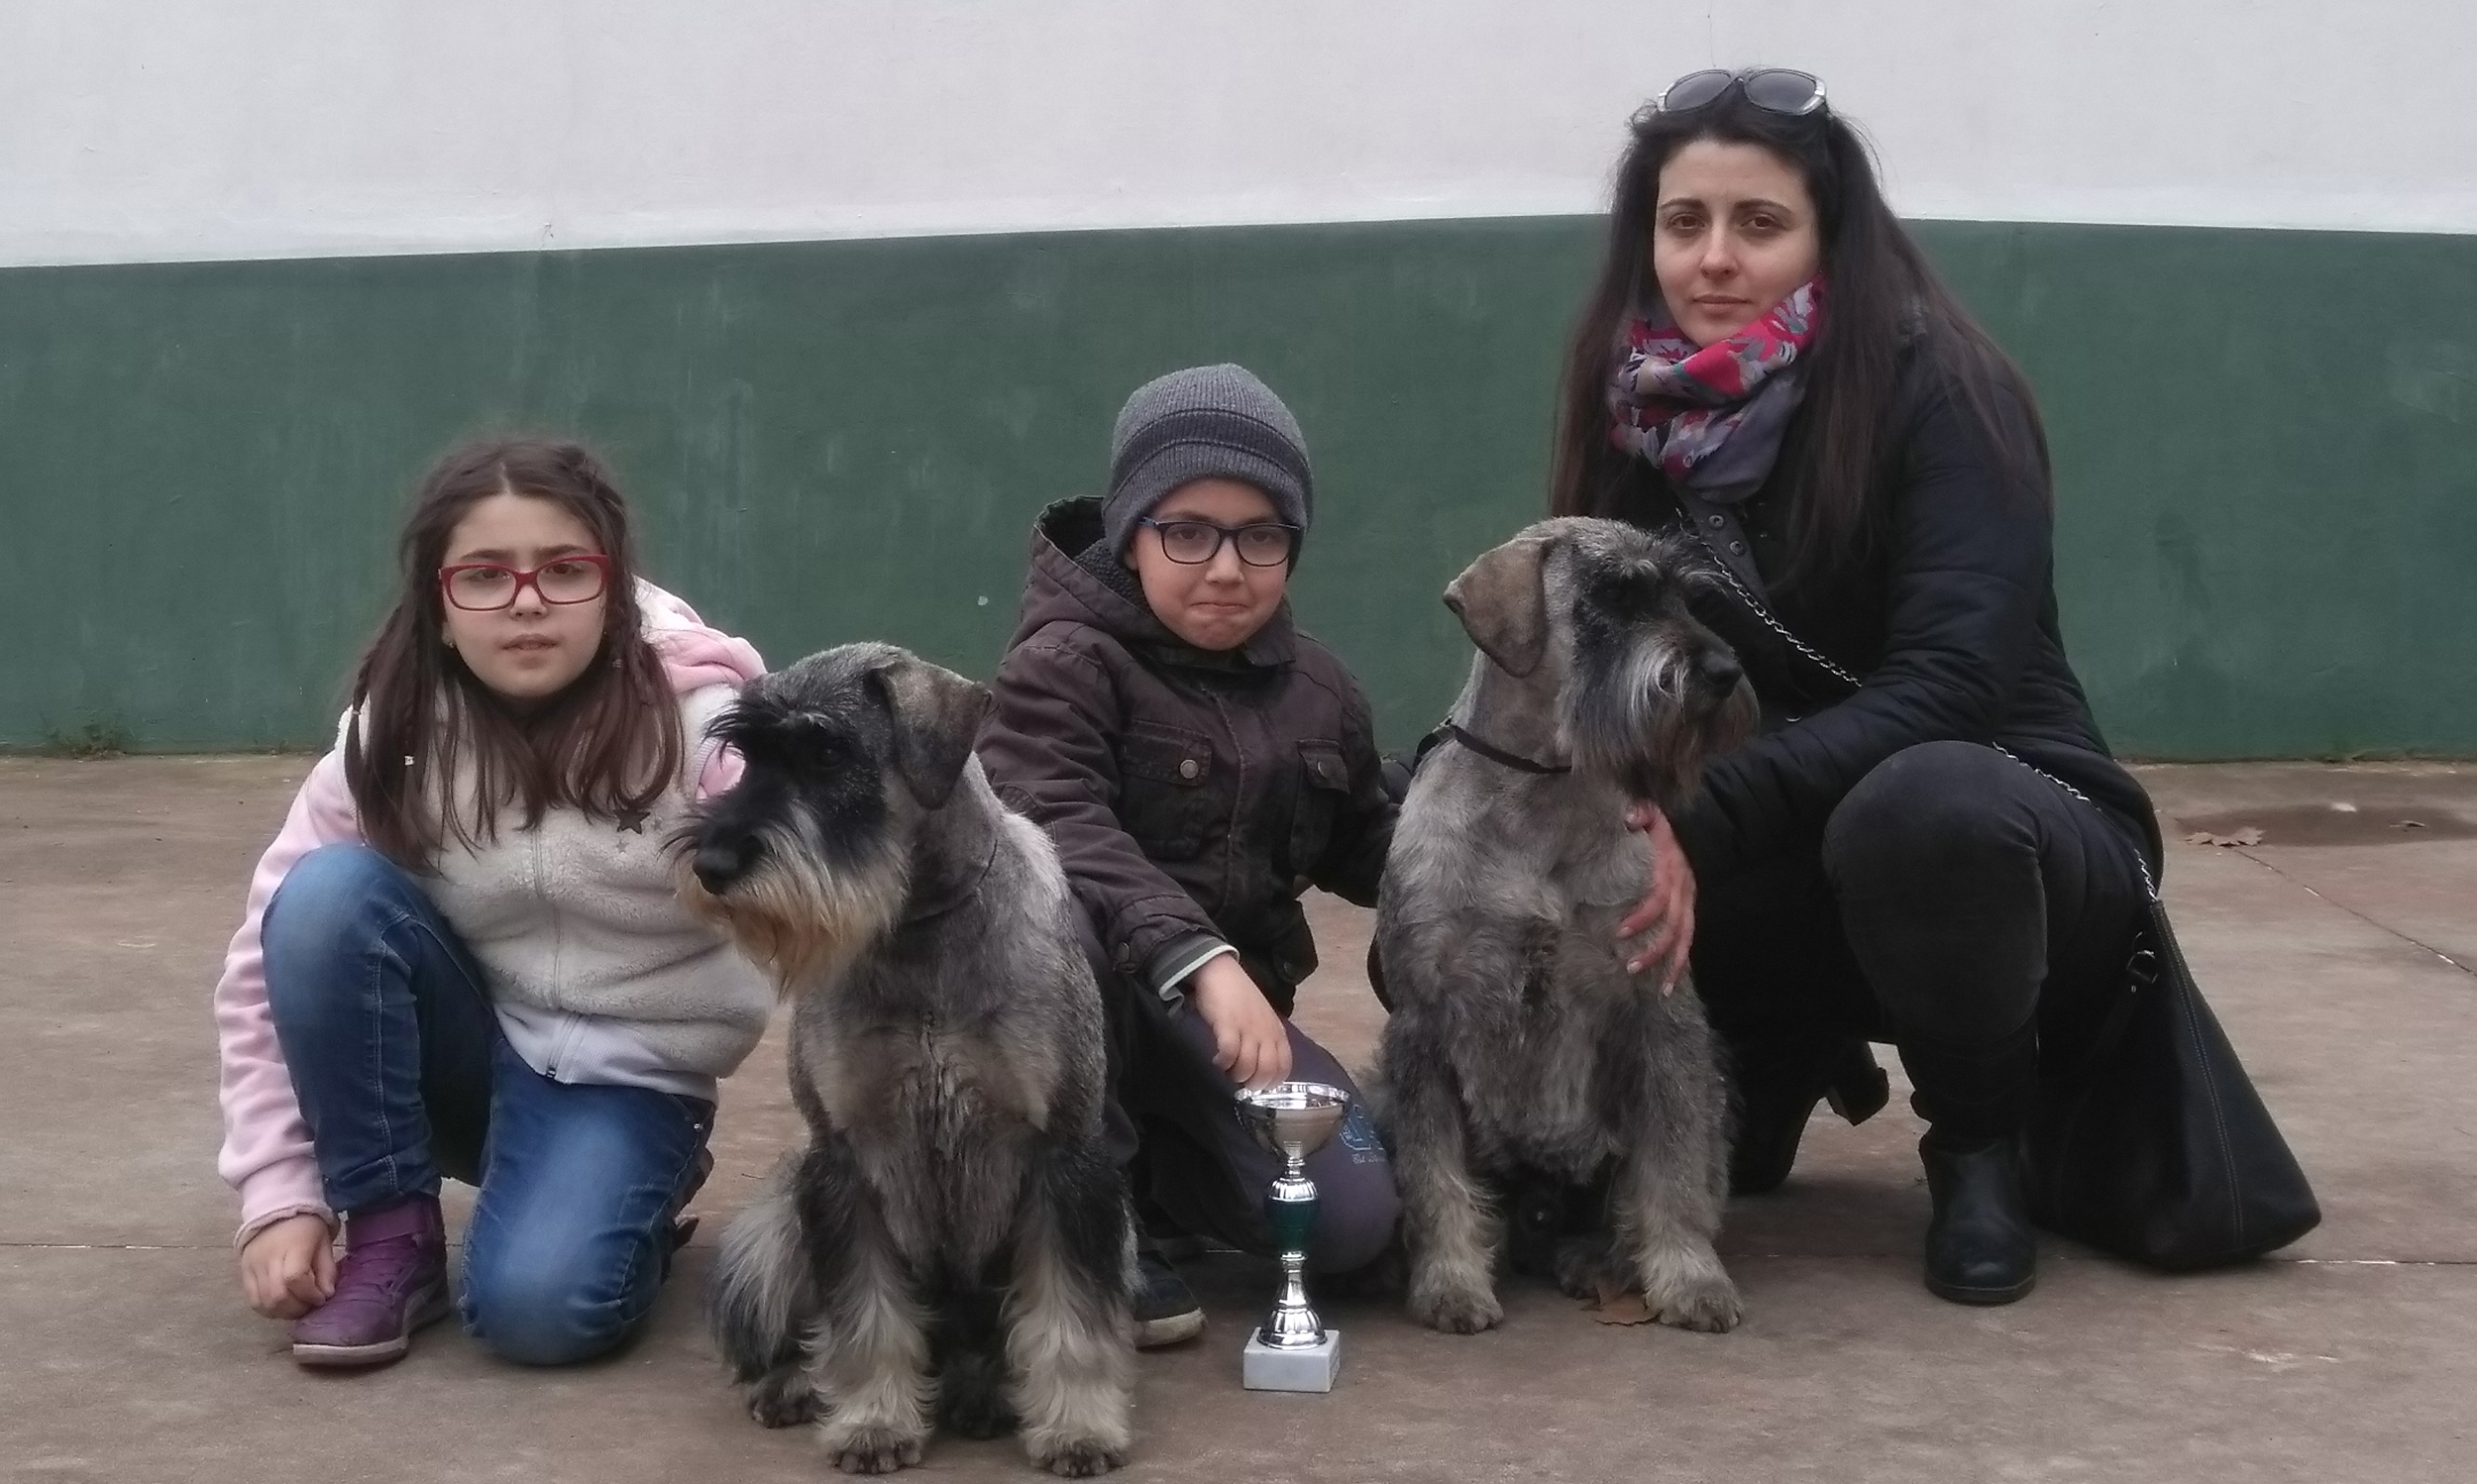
pixel 2266 446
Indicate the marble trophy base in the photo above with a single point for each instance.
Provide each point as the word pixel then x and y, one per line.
pixel 1265 1368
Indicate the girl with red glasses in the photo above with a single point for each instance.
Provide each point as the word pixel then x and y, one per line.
pixel 463 955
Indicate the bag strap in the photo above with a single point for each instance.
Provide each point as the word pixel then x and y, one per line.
pixel 1841 673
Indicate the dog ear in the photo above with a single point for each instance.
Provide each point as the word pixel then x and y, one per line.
pixel 936 715
pixel 1503 605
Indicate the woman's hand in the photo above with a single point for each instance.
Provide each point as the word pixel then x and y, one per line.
pixel 1667 908
pixel 289 1267
pixel 1249 1043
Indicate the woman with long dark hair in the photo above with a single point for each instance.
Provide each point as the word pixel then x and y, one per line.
pixel 1928 842
pixel 464 953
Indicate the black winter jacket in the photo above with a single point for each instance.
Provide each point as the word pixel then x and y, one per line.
pixel 1951 620
pixel 1192 795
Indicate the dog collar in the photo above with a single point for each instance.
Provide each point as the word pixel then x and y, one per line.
pixel 1499 755
pixel 939 905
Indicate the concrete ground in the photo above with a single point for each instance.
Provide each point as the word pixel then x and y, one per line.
pixel 2338 951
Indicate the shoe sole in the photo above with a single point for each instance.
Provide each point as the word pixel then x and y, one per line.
pixel 1984 1297
pixel 427 1311
pixel 1169 1330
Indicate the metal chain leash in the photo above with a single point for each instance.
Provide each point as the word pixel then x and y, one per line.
pixel 1832 668
pixel 1756 605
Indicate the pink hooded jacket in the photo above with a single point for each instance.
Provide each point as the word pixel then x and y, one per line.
pixel 267 1154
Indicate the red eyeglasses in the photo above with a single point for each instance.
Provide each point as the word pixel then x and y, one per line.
pixel 487 587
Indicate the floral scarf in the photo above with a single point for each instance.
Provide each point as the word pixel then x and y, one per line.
pixel 1712 417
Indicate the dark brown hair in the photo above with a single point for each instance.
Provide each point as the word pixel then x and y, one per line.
pixel 1881 291
pixel 609 742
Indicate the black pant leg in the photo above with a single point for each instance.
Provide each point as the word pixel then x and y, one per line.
pixel 1984 904
pixel 1773 968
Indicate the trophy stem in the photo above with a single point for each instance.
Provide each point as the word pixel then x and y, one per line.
pixel 1290 1209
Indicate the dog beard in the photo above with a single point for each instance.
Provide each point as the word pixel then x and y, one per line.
pixel 800 918
pixel 1629 714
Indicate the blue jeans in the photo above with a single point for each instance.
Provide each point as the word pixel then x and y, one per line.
pixel 402 1075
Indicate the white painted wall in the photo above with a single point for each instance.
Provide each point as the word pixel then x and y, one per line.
pixel 176 129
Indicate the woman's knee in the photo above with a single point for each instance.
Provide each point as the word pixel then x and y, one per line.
pixel 535 1305
pixel 1935 806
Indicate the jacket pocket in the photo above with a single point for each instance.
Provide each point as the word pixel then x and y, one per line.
pixel 1323 786
pixel 1169 789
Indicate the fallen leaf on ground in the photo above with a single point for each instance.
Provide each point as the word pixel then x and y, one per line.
pixel 2410 824
pixel 2249 835
pixel 1618 1306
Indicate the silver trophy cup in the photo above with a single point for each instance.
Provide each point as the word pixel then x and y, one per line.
pixel 1292 1350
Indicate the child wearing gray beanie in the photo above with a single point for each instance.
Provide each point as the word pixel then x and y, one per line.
pixel 1199 760
pixel 1205 422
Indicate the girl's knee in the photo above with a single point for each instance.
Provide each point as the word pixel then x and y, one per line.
pixel 543 1308
pixel 327 895
pixel 328 902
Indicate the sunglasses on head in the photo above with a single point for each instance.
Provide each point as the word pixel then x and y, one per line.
pixel 1780 90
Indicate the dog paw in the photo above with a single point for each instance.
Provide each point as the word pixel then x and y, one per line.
pixel 1456 1310
pixel 1709 1305
pixel 1082 1458
pixel 872 1451
pixel 785 1405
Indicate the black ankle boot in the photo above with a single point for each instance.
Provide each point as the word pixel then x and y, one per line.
pixel 1979 1248
pixel 1976 1099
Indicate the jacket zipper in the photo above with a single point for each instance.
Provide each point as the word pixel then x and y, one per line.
pixel 550 911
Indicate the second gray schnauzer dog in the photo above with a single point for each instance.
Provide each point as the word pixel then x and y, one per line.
pixel 954 1240
pixel 1519 1048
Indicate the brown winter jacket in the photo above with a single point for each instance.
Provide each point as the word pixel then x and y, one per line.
pixel 1193 795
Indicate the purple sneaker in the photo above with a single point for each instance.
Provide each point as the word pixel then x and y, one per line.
pixel 392 1281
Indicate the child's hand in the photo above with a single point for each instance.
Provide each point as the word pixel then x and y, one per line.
pixel 1249 1043
pixel 289 1267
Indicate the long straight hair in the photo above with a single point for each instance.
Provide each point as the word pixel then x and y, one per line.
pixel 1883 292
pixel 608 743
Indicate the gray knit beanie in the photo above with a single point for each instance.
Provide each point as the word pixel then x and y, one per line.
pixel 1205 422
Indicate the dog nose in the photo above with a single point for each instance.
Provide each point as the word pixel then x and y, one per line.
pixel 1720 669
pixel 718 864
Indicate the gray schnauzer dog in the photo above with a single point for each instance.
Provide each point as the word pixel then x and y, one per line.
pixel 954 1241
pixel 1520 1052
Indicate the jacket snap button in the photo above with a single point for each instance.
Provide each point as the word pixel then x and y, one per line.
pixel 1189 769
pixel 1738 546
pixel 1714 521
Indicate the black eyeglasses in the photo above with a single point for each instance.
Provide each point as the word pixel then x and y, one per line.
pixel 1780 90
pixel 1267 543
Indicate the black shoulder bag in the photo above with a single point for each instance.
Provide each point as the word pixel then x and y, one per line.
pixel 2156 1146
